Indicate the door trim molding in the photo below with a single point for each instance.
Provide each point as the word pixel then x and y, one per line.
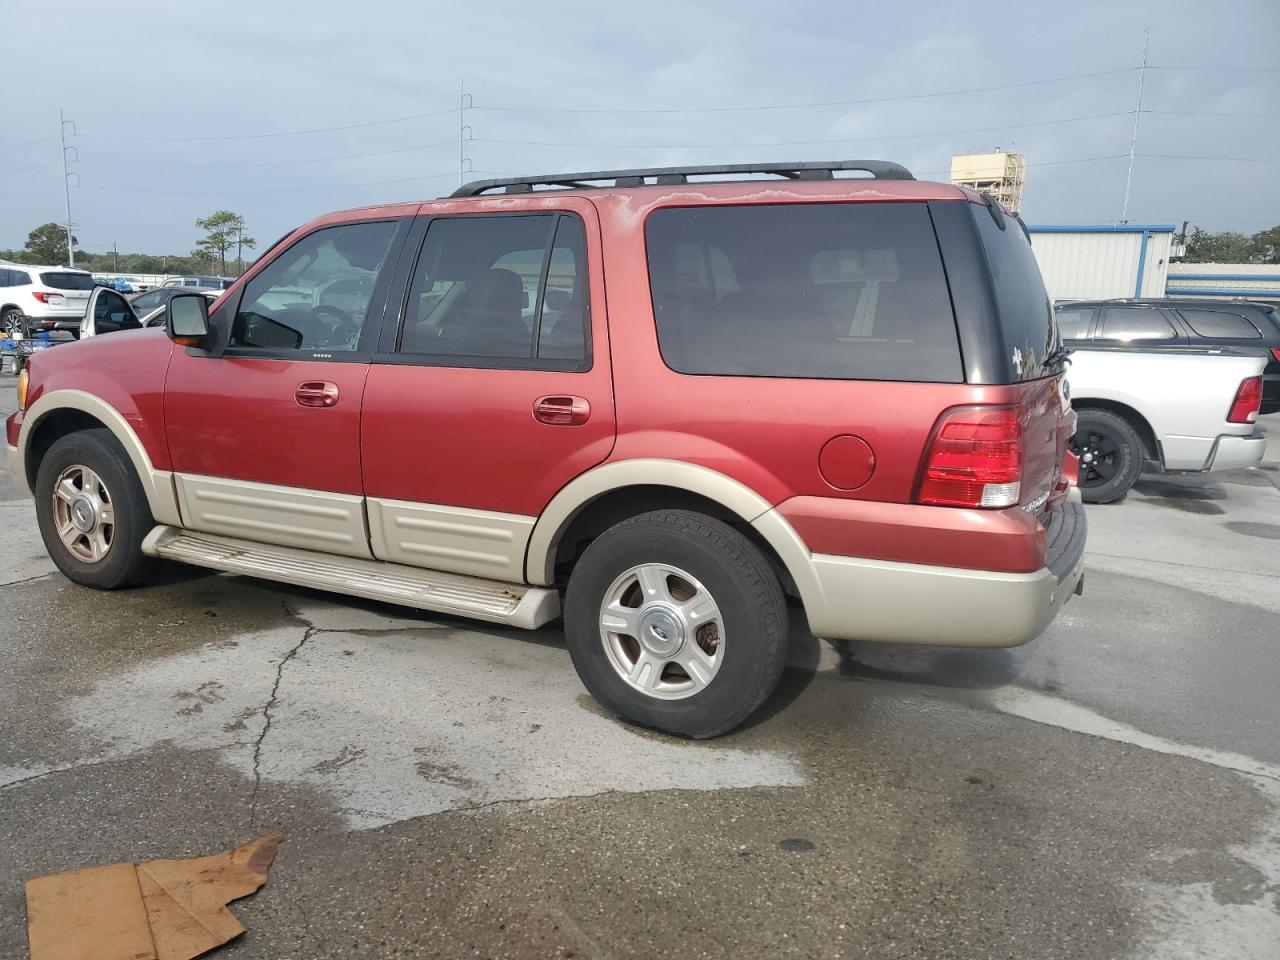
pixel 480 543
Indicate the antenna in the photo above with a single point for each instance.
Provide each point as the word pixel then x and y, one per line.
pixel 66 180
pixel 1137 117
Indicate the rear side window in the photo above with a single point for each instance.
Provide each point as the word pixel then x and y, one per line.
pixel 1073 322
pixel 1026 315
pixel 1135 323
pixel 1218 325
pixel 67 281
pixel 504 291
pixel 844 291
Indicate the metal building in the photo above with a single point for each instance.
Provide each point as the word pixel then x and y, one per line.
pixel 1252 280
pixel 1097 262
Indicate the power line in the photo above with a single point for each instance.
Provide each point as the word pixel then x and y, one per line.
pixel 794 143
pixel 220 193
pixel 1181 156
pixel 260 136
pixel 1219 69
pixel 800 106
pixel 273 163
pixel 1208 113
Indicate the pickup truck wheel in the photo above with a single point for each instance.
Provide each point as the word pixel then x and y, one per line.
pixel 92 511
pixel 1110 453
pixel 676 621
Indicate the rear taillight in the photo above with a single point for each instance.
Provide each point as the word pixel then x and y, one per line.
pixel 975 459
pixel 1275 352
pixel 43 297
pixel 1244 409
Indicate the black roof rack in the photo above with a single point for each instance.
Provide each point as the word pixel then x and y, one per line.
pixel 674 176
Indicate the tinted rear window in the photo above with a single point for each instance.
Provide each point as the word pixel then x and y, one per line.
pixel 848 291
pixel 67 281
pixel 1026 315
pixel 1219 325
pixel 1135 323
pixel 1073 322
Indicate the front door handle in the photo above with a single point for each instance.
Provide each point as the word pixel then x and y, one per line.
pixel 561 411
pixel 316 393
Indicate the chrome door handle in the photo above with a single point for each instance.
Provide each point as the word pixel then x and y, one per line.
pixel 316 393
pixel 561 411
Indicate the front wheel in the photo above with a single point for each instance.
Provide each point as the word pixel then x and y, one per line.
pixel 1110 453
pixel 676 621
pixel 92 511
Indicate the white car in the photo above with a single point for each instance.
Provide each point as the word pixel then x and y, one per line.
pixel 1182 409
pixel 45 298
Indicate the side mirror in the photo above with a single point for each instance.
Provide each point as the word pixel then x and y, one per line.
pixel 186 318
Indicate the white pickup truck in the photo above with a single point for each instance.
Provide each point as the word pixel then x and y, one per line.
pixel 1179 409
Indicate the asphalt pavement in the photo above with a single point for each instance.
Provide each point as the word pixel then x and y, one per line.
pixel 448 789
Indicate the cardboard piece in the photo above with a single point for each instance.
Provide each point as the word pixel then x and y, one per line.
pixel 158 910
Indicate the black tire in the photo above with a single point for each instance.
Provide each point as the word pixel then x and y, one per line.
pixel 124 563
pixel 1110 453
pixel 10 320
pixel 744 588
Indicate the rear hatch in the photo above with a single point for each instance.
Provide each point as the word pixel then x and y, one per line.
pixel 68 290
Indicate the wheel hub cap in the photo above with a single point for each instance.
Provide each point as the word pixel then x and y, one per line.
pixel 661 632
pixel 84 515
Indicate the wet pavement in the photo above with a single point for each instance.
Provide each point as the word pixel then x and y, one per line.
pixel 447 789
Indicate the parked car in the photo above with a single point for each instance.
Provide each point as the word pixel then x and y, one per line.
pixel 211 283
pixel 146 304
pixel 45 298
pixel 1147 324
pixel 1177 409
pixel 845 390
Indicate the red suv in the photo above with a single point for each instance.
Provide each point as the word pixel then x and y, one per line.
pixel 669 401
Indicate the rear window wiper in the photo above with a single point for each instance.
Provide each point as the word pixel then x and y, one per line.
pixel 1060 354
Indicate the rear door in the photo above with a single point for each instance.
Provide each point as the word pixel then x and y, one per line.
pixel 491 388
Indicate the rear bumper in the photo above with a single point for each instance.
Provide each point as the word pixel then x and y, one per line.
pixel 1233 453
pixel 893 602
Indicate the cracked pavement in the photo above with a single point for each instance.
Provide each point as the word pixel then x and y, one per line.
pixel 447 789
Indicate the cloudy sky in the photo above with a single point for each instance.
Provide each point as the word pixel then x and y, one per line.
pixel 283 109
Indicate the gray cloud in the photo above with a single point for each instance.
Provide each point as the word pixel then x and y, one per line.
pixel 246 68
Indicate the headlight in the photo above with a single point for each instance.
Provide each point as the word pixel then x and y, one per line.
pixel 22 389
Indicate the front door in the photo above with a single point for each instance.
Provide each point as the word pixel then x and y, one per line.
pixel 491 388
pixel 264 430
pixel 107 312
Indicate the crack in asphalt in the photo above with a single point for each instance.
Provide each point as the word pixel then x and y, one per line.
pixel 16 583
pixel 267 716
pixel 107 762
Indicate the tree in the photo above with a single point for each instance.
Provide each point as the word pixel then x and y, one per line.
pixel 1266 246
pixel 47 243
pixel 1227 247
pixel 223 230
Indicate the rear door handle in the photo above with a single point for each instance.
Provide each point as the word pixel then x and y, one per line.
pixel 316 393
pixel 561 411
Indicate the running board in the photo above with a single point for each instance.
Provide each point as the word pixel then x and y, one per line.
pixel 515 605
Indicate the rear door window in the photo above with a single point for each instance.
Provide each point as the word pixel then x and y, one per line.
pixel 1220 325
pixel 1129 324
pixel 846 291
pixel 500 291
pixel 67 281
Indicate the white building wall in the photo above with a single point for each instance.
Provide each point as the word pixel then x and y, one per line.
pixel 1256 280
pixel 1088 264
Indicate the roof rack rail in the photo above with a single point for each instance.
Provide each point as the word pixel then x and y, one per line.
pixel 674 176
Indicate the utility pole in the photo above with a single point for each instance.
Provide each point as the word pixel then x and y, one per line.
pixel 239 262
pixel 464 131
pixel 66 182
pixel 1137 118
pixel 115 258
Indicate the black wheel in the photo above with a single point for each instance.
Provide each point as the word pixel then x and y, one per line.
pixel 10 321
pixel 676 621
pixel 92 511
pixel 1110 453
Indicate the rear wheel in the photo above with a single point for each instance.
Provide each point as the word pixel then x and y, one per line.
pixel 92 511
pixel 1110 453
pixel 676 621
